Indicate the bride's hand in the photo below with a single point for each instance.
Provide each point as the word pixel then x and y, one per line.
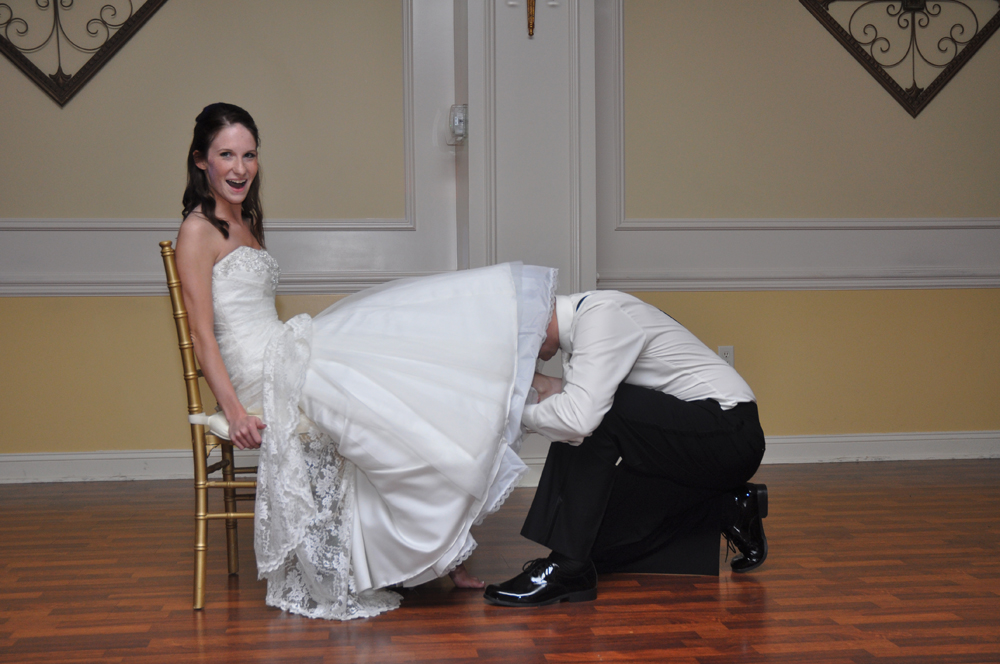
pixel 244 432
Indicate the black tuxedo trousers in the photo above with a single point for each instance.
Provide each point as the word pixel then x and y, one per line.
pixel 648 490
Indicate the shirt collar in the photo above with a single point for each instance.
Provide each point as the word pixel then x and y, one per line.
pixel 564 317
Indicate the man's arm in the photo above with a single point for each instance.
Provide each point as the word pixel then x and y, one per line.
pixel 546 386
pixel 606 343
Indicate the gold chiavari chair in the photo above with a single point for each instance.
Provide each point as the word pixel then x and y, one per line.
pixel 203 442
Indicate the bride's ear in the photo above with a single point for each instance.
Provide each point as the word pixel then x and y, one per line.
pixel 199 160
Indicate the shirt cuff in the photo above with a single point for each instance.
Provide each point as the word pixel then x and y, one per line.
pixel 531 425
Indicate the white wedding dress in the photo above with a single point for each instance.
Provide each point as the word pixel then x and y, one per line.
pixel 393 421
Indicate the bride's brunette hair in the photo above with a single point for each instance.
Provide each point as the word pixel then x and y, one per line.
pixel 212 119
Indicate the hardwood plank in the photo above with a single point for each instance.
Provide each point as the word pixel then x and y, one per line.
pixel 869 562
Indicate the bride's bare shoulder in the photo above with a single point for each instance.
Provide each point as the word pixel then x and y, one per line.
pixel 196 224
pixel 197 236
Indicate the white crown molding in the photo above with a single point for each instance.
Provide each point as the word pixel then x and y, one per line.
pixel 872 224
pixel 176 464
pixel 887 279
pixel 170 225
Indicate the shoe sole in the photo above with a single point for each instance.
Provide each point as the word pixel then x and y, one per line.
pixel 761 499
pixel 755 565
pixel 578 596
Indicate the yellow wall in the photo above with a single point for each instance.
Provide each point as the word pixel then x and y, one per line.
pixel 841 362
pixel 91 374
pixel 97 373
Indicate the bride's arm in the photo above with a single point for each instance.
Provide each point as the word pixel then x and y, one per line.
pixel 199 246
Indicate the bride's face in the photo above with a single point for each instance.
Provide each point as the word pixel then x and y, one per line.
pixel 231 164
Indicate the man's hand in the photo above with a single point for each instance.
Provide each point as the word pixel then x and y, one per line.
pixel 546 386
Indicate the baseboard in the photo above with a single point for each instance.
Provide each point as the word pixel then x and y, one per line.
pixel 176 464
pixel 883 447
pixel 858 447
pixel 115 465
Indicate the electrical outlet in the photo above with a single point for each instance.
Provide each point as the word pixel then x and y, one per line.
pixel 726 353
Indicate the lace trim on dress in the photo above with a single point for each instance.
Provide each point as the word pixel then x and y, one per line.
pixel 305 493
pixel 495 507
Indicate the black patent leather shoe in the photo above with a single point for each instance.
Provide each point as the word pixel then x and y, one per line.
pixel 747 533
pixel 542 582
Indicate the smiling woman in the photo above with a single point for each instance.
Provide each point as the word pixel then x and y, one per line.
pixel 223 174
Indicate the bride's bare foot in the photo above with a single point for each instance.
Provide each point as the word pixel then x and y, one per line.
pixel 463 579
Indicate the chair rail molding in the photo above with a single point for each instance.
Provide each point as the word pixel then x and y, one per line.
pixel 695 279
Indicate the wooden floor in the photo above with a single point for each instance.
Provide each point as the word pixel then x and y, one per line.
pixel 869 562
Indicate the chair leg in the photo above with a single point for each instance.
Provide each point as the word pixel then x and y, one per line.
pixel 229 497
pixel 200 557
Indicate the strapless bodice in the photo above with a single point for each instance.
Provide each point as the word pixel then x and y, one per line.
pixel 243 287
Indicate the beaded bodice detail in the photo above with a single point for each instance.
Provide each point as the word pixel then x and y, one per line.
pixel 249 260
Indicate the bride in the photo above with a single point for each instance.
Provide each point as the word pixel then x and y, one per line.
pixel 387 426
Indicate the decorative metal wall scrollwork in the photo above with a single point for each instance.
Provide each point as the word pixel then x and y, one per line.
pixel 912 47
pixel 61 44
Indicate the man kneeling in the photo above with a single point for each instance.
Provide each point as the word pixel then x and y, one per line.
pixel 657 439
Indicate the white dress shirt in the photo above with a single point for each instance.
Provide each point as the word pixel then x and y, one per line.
pixel 608 338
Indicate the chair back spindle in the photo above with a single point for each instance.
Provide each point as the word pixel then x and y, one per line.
pixel 202 443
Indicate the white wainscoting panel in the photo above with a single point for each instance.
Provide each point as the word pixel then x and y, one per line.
pixel 764 254
pixel 74 257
